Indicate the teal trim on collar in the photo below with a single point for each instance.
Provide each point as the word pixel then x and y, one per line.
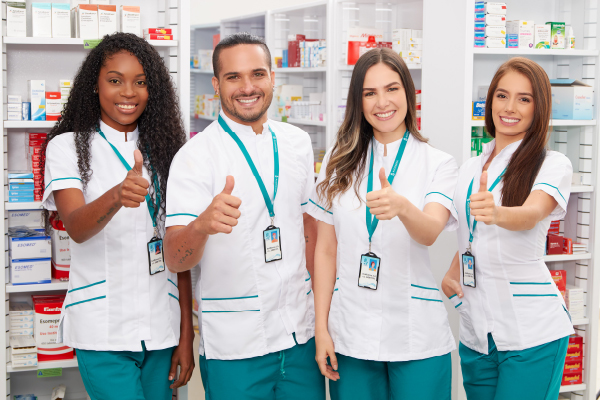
pixel 86 286
pixel 421 298
pixel 173 283
pixel 535 295
pixel 230 298
pixel 231 311
pixel 190 215
pixel 173 296
pixel 84 301
pixel 320 207
pixel 424 287
pixel 530 283
pixel 459 304
pixel 61 179
pixel 554 187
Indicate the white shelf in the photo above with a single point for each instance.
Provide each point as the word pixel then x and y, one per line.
pixel 537 52
pixel 22 206
pixel 45 365
pixel 30 124
pixel 554 122
pixel 567 257
pixel 74 41
pixel 205 117
pixel 583 321
pixel 582 189
pixel 296 70
pixel 298 121
pixel 572 388
pixel 200 71
pixel 42 287
pixel 351 67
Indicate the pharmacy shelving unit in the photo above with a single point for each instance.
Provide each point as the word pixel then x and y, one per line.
pixel 53 59
pixel 201 38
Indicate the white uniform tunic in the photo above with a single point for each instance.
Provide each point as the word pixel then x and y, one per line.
pixel 249 308
pixel 112 303
pixel 515 297
pixel 404 319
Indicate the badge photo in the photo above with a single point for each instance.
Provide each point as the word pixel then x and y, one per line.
pixel 272 241
pixel 156 258
pixel 468 262
pixel 368 276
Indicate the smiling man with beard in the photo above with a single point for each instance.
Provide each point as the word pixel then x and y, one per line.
pixel 233 188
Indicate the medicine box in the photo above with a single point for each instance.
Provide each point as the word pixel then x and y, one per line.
pixel 571 99
pixel 13 107
pixel 21 318
pixel 557 35
pixel 21 325
pixel 13 115
pixel 30 271
pixel 47 318
pixel 26 111
pixel 575 348
pixel 479 110
pixel 37 98
pixel 490 7
pixel 30 247
pixel 22 345
pixel 495 43
pixel 21 332
pixel 525 31
pixel 85 21
pixel 19 308
pixel 41 19
pixel 541 37
pixel 53 106
pixel 574 378
pixel 61 20
pixel 107 19
pixel 65 83
pixel 495 31
pixel 16 18
pixel 130 20
pixel 14 99
pixel 491 19
pixel 61 253
pixel 573 366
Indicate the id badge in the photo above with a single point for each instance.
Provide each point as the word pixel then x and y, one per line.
pixel 468 262
pixel 272 241
pixel 156 258
pixel 369 271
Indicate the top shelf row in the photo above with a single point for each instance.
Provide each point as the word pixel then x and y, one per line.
pixel 73 41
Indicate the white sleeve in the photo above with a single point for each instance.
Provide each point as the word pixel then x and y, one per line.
pixel 309 184
pixel 555 178
pixel 189 187
pixel 316 205
pixel 441 190
pixel 61 170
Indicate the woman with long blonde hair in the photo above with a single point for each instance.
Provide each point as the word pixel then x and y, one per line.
pixel 383 196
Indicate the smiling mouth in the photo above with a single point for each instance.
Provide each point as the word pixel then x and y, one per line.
pixel 247 101
pixel 126 106
pixel 385 115
pixel 510 120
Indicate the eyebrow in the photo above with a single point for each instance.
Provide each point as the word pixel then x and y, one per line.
pixel 254 70
pixel 520 94
pixel 120 74
pixel 386 86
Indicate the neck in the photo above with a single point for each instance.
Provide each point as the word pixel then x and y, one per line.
pixel 117 126
pixel 389 137
pixel 503 140
pixel 257 126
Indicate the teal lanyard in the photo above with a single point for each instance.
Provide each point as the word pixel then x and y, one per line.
pixel 151 208
pixel 372 221
pixel 259 180
pixel 468 204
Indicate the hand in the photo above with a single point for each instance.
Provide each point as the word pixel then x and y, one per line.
pixel 451 283
pixel 483 206
pixel 134 188
pixel 325 349
pixel 385 203
pixel 222 214
pixel 183 355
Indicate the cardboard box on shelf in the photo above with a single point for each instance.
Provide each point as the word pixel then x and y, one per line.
pixel 361 40
pixel 571 99
pixel 47 318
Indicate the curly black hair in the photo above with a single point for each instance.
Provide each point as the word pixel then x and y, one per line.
pixel 160 126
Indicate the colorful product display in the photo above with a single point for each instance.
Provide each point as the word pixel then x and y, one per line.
pixel 207 105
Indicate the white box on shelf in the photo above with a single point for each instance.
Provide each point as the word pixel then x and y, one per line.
pixel 14 116
pixel 61 20
pixel 37 98
pixel 29 247
pixel 130 20
pixel 20 318
pixel 541 37
pixel 20 308
pixel 22 345
pixel 107 19
pixel 13 107
pixel 85 18
pixel 571 99
pixel 41 19
pixel 16 18
pixel 495 31
pixel 525 31
pixel 21 332
pixel 21 325
pixel 495 42
pixel 30 271
pixel 14 99
pixel 27 218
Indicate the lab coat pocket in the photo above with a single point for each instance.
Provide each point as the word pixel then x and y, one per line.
pixel 428 318
pixel 466 332
pixel 84 316
pixel 222 321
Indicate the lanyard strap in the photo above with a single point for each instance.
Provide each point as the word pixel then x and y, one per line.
pixel 372 221
pixel 468 203
pixel 259 180
pixel 151 208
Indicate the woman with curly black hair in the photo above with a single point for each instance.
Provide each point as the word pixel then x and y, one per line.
pixel 106 167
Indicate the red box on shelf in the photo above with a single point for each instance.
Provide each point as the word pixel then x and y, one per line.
pixel 555 244
pixel 567 246
pixel 47 317
pixel 554 228
pixel 37 136
pixel 573 367
pixel 575 349
pixel 574 378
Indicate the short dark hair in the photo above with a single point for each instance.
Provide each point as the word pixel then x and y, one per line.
pixel 237 39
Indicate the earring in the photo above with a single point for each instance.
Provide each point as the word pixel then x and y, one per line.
pixel 96 90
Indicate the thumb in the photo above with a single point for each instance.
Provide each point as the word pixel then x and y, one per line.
pixel 229 183
pixel 483 182
pixel 383 179
pixel 333 360
pixel 173 370
pixel 139 161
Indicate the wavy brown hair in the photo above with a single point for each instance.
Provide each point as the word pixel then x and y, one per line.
pixel 527 160
pixel 348 157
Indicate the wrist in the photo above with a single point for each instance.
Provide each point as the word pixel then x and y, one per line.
pixel 402 207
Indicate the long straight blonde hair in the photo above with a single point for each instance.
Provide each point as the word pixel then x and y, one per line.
pixel 349 154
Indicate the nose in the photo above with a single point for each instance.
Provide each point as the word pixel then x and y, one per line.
pixel 382 101
pixel 510 105
pixel 247 86
pixel 127 90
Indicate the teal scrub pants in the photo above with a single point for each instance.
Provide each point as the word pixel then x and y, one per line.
pixel 427 379
pixel 290 374
pixel 532 374
pixel 131 375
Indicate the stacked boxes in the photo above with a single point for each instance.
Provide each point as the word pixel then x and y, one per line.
pixel 207 105
pixel 36 140
pixel 23 351
pixel 47 318
pixel 158 34
pixel 408 43
pixel 573 371
pixel 312 53
pixel 29 256
pixel 575 301
pixel 203 60
pixel 559 277
pixel 21 319
pixel 14 108
pixel 520 34
pixel 490 24
pixel 360 40
pixel 20 187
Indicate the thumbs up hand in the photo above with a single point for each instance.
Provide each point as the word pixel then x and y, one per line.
pixel 134 188
pixel 222 214
pixel 483 206
pixel 385 204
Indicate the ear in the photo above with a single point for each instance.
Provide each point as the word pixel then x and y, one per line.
pixel 215 84
pixel 273 78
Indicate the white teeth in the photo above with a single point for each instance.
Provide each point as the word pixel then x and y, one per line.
pixel 248 101
pixel 387 114
pixel 126 107
pixel 509 120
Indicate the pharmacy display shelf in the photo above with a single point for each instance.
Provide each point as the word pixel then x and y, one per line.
pixel 34 205
pixel 351 67
pixel 299 121
pixel 206 117
pixel 29 124
pixel 42 287
pixel 74 41
pixel 572 388
pixel 537 52
pixel 44 365
pixel 299 70
pixel 582 321
pixel 554 122
pixel 201 71
pixel 567 257
pixel 582 189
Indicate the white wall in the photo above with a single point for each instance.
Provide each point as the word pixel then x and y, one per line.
pixel 205 12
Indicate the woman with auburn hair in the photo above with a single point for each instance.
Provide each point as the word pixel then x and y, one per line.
pixel 379 314
pixel 514 326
